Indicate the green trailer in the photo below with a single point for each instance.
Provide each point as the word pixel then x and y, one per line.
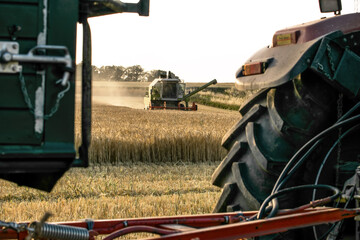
pixel 37 93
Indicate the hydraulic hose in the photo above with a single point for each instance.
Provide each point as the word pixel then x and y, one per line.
pixel 288 170
pixel 287 190
pixel 328 154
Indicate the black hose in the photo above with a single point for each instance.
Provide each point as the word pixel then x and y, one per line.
pixel 346 115
pixel 285 191
pixel 317 139
pixel 287 173
pixel 328 154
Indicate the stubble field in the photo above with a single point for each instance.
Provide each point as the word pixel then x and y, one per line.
pixel 143 163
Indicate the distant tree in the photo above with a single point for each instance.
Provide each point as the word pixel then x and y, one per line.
pixel 107 72
pixel 151 75
pixel 134 73
pixel 118 74
pixel 95 72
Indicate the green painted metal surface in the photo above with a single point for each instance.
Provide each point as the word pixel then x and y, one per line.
pixel 37 96
pixel 47 139
pixel 336 59
pixel 34 26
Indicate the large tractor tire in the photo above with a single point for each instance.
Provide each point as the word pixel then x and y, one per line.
pixel 275 123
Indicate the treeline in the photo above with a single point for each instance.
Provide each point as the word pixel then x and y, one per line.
pixel 119 73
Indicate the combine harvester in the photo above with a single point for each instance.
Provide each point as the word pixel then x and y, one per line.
pixel 295 146
pixel 168 92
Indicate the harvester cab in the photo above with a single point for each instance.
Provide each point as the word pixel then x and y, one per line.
pixel 164 92
pixel 168 92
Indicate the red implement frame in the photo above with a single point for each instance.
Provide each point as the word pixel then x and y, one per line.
pixel 208 226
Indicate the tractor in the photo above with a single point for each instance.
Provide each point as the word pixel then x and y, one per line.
pixel 168 92
pixel 292 168
pixel 300 130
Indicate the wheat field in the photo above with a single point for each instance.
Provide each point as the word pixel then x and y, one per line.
pixel 112 192
pixel 143 163
pixel 125 135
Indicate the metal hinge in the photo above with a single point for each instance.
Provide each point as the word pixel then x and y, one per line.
pixel 10 58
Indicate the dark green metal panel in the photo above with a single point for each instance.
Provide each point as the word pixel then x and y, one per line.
pixel 37 87
pixel 18 119
pixel 28 23
pixel 345 73
pixel 34 26
pixel 62 31
pixel 10 91
pixel 36 147
pixel 19 123
pixel 336 59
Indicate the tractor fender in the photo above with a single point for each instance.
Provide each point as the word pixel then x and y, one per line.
pixel 283 64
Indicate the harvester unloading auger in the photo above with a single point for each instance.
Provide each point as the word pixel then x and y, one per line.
pixel 295 146
pixel 168 92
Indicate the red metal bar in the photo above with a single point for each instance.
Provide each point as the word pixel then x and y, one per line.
pixel 213 226
pixel 109 226
pixel 164 107
pixel 197 221
pixel 172 108
pixel 266 226
pixel 135 229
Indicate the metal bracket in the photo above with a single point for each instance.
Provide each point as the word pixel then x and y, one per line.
pixel 357 202
pixel 8 66
pixel 10 58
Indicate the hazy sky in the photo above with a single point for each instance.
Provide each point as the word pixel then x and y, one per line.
pixel 198 40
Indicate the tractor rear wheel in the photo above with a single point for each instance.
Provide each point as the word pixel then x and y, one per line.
pixel 275 123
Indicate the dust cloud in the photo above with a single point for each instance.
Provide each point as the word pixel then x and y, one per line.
pixel 116 94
